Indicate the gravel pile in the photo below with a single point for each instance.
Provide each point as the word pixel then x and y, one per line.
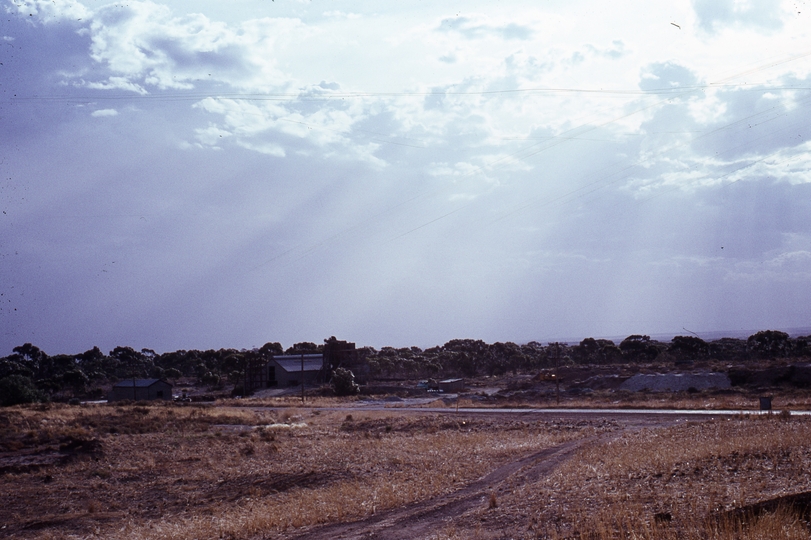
pixel 675 382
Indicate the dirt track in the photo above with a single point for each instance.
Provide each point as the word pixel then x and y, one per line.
pixel 423 519
pixel 419 520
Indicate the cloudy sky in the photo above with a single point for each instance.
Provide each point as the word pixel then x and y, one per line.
pixel 205 174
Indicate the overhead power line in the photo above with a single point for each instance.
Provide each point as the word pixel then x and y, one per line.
pixel 330 96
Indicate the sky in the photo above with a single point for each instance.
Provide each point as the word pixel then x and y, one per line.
pixel 206 174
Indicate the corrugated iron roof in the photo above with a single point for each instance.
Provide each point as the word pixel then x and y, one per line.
pixel 311 356
pixel 292 362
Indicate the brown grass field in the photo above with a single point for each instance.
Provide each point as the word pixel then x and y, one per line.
pixel 194 472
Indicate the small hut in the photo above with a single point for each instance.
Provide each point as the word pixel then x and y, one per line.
pixel 140 390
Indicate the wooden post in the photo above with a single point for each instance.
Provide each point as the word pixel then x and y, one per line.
pixel 302 378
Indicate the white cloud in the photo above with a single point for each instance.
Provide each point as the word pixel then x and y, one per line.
pixel 457 170
pixel 761 14
pixel 266 148
pixel 263 125
pixel 146 42
pixel 792 165
pixel 789 259
pixel 341 15
pixel 789 267
pixel 616 50
pixel 104 112
pixel 50 11
pixel 212 135
pixel 117 83
pixel 145 47
pixel 482 28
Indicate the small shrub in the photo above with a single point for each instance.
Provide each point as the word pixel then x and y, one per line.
pixel 343 383
pixel 102 473
pixel 266 435
pixel 247 450
pixel 210 379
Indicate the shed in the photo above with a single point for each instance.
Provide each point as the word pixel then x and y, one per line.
pixel 286 370
pixel 140 390
pixel 452 385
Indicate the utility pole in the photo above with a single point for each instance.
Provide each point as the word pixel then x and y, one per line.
pixel 557 371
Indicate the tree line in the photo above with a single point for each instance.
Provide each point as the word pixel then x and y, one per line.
pixel 29 374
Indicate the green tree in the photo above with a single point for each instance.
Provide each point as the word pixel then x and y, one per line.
pixel 12 365
pixel 611 354
pixel 76 380
pixel 210 379
pixel 269 349
pixel 16 389
pixel 769 344
pixel 33 358
pixel 132 364
pixel 306 347
pixel 637 348
pixel 688 348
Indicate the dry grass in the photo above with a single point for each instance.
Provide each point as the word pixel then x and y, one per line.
pixel 663 484
pixel 225 472
pixel 706 400
pixel 203 472
pixel 294 401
